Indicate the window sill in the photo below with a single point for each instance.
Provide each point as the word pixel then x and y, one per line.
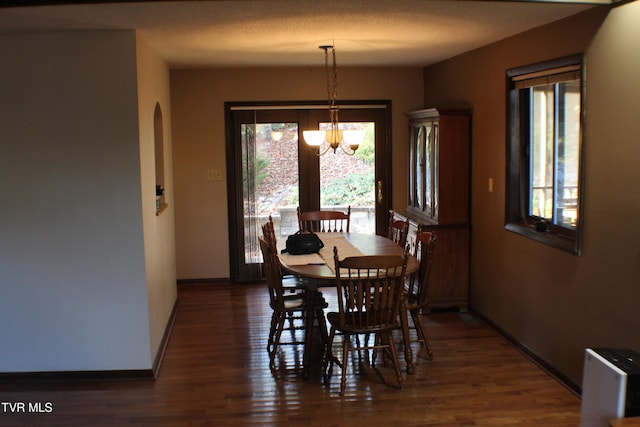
pixel 162 208
pixel 547 237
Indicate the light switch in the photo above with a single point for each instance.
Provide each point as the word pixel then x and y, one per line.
pixel 490 185
pixel 214 174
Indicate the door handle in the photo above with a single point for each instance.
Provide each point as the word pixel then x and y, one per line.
pixel 380 198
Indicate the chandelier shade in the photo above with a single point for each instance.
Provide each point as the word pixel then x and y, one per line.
pixel 313 138
pixel 353 138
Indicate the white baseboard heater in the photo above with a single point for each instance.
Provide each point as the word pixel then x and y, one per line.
pixel 610 386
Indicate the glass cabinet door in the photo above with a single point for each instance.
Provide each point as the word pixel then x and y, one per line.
pixel 423 168
pixel 432 171
pixel 412 166
pixel 428 171
pixel 416 166
pixel 419 177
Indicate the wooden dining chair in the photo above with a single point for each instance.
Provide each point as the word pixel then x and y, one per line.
pixel 398 230
pixel 291 311
pixel 369 290
pixel 416 295
pixel 289 281
pixel 324 221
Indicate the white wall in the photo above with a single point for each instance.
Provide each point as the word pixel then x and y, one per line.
pixel 159 230
pixel 72 262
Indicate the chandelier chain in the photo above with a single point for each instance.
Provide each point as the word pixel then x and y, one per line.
pixel 335 75
pixel 333 137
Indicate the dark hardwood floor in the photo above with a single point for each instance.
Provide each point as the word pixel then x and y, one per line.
pixel 215 372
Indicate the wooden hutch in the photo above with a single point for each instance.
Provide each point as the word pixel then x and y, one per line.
pixel 439 199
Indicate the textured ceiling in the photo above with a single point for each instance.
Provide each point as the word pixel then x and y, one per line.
pixel 288 32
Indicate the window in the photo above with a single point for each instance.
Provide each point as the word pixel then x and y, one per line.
pixel 544 168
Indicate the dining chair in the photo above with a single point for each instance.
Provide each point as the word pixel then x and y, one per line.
pixel 416 295
pixel 324 221
pixel 369 290
pixel 290 308
pixel 289 281
pixel 398 230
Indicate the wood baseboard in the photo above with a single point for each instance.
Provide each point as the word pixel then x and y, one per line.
pixel 546 366
pixel 157 361
pixel 15 378
pixel 204 281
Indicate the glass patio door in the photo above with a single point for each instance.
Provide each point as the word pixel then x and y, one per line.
pixel 272 172
pixel 348 180
pixel 270 182
pixel 362 180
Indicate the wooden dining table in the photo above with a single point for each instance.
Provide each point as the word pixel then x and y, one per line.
pixel 318 268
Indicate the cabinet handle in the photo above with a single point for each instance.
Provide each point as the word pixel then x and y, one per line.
pixel 380 198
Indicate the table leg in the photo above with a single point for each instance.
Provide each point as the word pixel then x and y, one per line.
pixel 312 313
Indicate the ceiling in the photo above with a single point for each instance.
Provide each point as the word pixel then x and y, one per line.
pixel 265 33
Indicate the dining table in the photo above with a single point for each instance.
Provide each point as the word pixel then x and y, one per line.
pixel 319 269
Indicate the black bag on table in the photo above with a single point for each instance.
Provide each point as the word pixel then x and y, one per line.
pixel 303 243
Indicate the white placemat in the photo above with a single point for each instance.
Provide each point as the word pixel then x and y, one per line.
pixel 345 248
pixel 310 259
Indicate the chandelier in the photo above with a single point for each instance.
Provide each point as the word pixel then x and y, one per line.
pixel 334 137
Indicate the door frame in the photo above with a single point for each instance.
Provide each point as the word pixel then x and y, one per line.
pixel 314 111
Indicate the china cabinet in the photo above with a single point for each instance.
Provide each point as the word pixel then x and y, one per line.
pixel 439 173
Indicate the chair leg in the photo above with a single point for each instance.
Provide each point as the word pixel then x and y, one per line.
pixel 406 338
pixel 308 341
pixel 374 353
pixel 421 332
pixel 327 365
pixel 276 340
pixel 394 357
pixel 345 353
pixel 272 331
pixel 292 324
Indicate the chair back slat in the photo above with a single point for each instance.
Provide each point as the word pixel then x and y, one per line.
pixel 369 290
pixel 324 221
pixel 398 230
pixel 273 274
pixel 269 234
